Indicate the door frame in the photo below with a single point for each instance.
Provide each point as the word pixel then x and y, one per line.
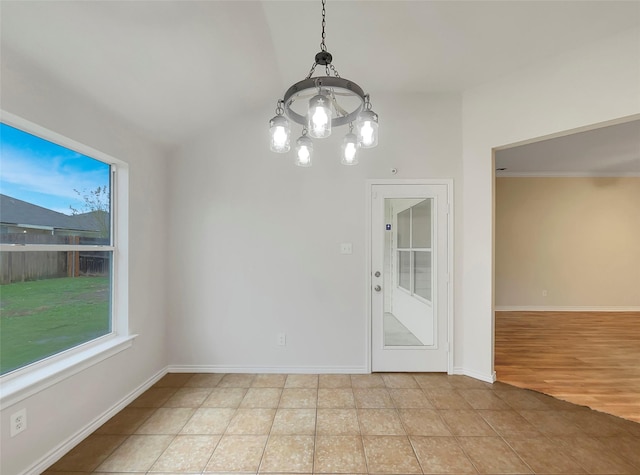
pixel 448 182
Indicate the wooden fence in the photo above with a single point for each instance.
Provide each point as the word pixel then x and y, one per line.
pixel 23 266
pixel 36 265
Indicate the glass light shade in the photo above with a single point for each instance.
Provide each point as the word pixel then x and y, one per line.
pixel 367 125
pixel 319 117
pixel 304 151
pixel 350 150
pixel 280 133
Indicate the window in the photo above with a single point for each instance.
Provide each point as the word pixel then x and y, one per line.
pixel 57 247
pixel 414 250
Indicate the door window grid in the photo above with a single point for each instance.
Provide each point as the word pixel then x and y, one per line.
pixel 414 251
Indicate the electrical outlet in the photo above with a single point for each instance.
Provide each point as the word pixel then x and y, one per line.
pixel 346 248
pixel 544 293
pixel 282 339
pixel 18 421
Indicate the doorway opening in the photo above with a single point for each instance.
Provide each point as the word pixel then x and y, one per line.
pixel 566 315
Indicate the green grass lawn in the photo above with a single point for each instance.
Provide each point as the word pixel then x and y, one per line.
pixel 42 318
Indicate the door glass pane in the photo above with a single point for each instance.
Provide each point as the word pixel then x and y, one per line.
pixel 421 225
pixel 404 227
pixel 422 273
pixel 408 318
pixel 404 269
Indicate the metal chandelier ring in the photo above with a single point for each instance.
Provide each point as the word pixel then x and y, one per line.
pixel 326 82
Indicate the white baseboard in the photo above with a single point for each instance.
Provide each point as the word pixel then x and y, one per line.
pixel 63 448
pixel 532 308
pixel 487 378
pixel 268 369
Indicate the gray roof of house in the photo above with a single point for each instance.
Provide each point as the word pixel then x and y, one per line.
pixel 16 212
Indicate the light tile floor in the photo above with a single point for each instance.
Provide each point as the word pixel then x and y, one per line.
pixel 353 424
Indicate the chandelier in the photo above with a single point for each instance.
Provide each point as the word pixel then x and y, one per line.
pixel 319 104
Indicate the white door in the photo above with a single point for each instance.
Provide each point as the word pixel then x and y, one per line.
pixel 409 277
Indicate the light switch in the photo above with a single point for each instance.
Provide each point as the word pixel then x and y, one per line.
pixel 346 248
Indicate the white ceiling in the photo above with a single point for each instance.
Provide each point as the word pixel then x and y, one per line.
pixel 170 69
pixel 605 151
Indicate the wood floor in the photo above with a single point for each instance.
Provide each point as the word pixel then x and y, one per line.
pixel 591 359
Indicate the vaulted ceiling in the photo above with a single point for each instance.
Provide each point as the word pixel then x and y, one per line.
pixel 170 69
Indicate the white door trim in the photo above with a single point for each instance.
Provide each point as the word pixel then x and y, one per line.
pixel 450 243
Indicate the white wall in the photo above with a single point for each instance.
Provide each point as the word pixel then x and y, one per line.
pixel 62 411
pixel 256 238
pixel 597 83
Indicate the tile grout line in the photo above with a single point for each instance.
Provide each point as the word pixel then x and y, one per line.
pixel 110 453
pixel 355 407
pixel 395 406
pixel 175 436
pixel 128 436
pixel 315 436
pixel 456 437
pixel 264 449
pixel 194 413
pixel 502 437
pixel 217 386
pixel 221 435
pixel 513 408
pixel 453 435
pixel 514 451
pixel 545 435
pixel 158 457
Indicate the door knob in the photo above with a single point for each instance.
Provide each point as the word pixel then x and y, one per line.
pixel 377 288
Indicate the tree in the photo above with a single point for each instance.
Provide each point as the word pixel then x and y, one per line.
pixel 96 207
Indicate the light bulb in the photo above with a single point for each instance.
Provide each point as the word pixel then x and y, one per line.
pixel 319 120
pixel 367 125
pixel 350 150
pixel 366 132
pixel 280 133
pixel 280 137
pixel 319 117
pixel 304 156
pixel 304 151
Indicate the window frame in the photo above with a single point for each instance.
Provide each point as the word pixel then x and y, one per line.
pixel 19 384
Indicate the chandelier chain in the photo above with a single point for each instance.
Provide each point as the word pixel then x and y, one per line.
pixel 367 103
pixel 323 47
pixel 280 107
pixel 313 68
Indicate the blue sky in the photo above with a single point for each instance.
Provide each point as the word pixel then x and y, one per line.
pixel 43 173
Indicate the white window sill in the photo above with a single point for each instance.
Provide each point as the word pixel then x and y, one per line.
pixel 15 388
